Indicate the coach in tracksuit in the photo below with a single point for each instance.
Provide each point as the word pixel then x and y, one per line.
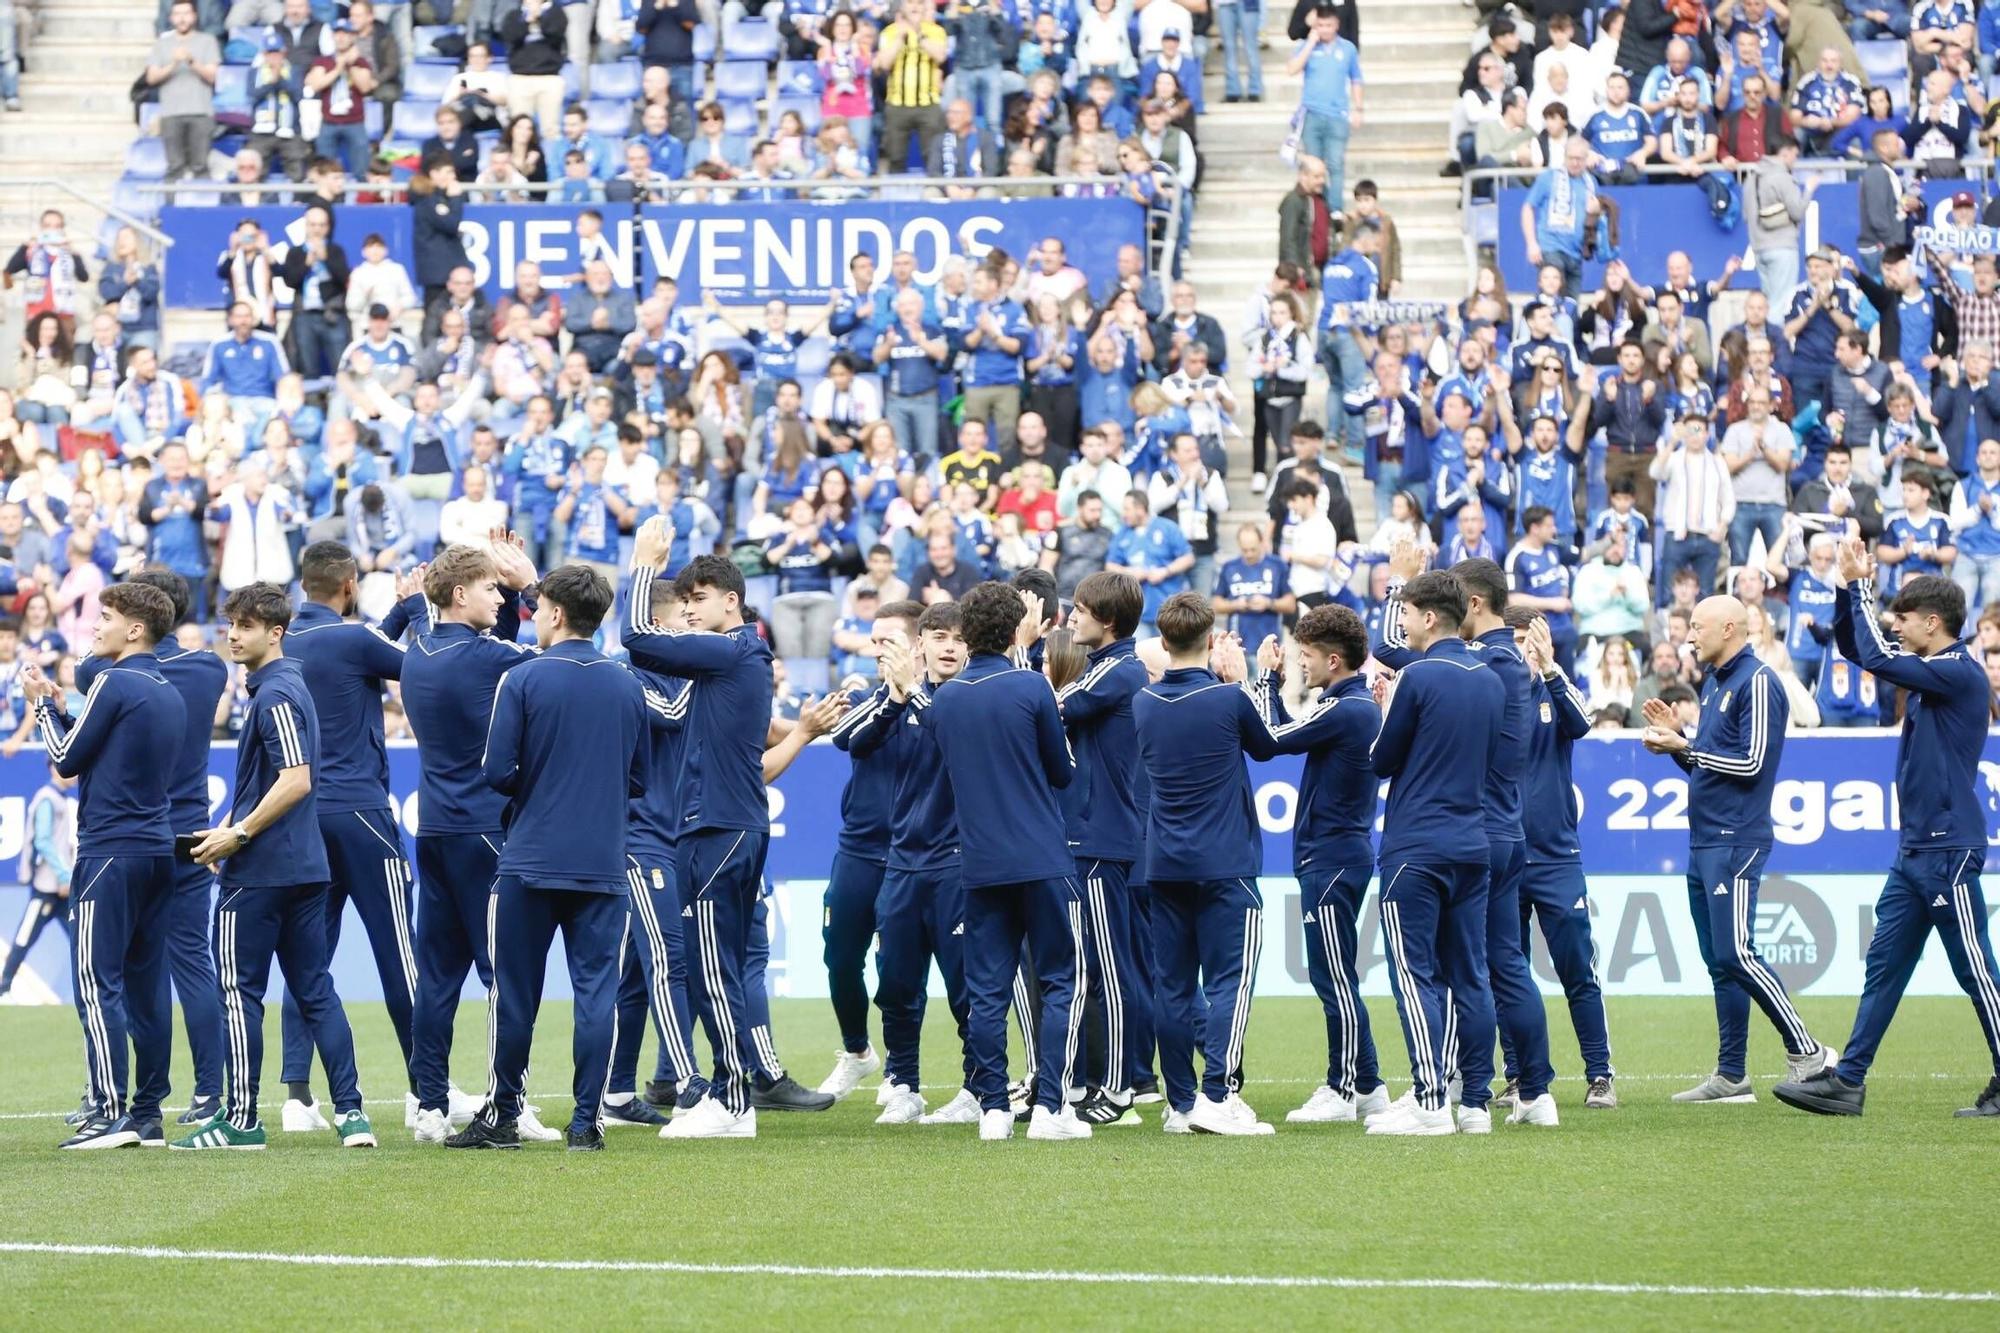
pixel 274 875
pixel 123 744
pixel 1001 738
pixel 344 663
pixel 450 675
pixel 1519 1013
pixel 199 678
pixel 1440 739
pixel 1104 829
pixel 1333 855
pixel 566 745
pixel 921 911
pixel 1935 880
pixel 1553 889
pixel 725 823
pixel 1732 765
pixel 1203 855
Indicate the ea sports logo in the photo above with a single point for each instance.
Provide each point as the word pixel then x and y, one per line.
pixel 1795 932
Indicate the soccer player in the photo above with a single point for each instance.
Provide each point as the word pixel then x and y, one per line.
pixel 725 816
pixel 1104 829
pixel 1553 889
pixel 1732 764
pixel 566 746
pixel 199 677
pixel 123 744
pixel 274 882
pixel 344 663
pixel 449 679
pixel 921 912
pixel 1440 740
pixel 1203 854
pixel 1001 738
pixel 1332 854
pixel 1935 880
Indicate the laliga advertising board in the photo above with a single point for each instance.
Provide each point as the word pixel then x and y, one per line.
pixel 742 252
pixel 1834 810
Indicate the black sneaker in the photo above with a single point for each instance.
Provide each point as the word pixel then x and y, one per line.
pixel 1825 1093
pixel 691 1093
pixel 788 1094
pixel 1987 1103
pixel 1021 1099
pixel 103 1132
pixel 201 1110
pixel 634 1112
pixel 482 1134
pixel 1146 1091
pixel 1233 98
pixel 151 1135
pixel 1100 1107
pixel 588 1139
pixel 660 1093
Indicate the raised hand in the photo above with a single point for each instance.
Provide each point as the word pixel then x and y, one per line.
pixel 1225 658
pixel 651 543
pixel 410 584
pixel 35 686
pixel 1855 562
pixel 819 716
pixel 1659 714
pixel 1271 654
pixel 1405 561
pixel 1541 647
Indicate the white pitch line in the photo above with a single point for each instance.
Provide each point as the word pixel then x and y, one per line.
pixel 999 1275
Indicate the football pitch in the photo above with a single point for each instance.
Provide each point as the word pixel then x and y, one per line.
pixel 1652 1215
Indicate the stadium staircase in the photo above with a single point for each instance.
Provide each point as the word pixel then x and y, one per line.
pixel 1412 52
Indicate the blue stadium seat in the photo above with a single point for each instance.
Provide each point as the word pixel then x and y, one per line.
pixel 572 78
pixel 232 89
pixel 814 353
pixel 620 80
pixel 428 78
pixel 750 39
pixel 739 117
pixel 242 44
pixel 704 43
pixel 808 675
pixel 740 80
pixel 424 39
pixel 800 77
pixel 609 116
pixel 128 197
pixel 146 159
pixel 1887 64
pixel 371 118
pixel 148 113
pixel 808 108
pixel 416 117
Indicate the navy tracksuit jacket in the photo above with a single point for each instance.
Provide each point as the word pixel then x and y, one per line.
pixel 566 745
pixel 124 744
pixel 1935 881
pixel 848 922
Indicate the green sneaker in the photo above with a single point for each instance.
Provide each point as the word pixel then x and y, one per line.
pixel 219 1133
pixel 354 1130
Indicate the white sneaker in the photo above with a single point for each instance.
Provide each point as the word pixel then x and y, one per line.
pixel 1541 1111
pixel 463 1108
pixel 1474 1120
pixel 884 1093
pixel 432 1127
pixel 1175 1122
pixel 996 1125
pixel 1406 1102
pixel 1063 1124
pixel 410 1108
pixel 1372 1103
pixel 1213 1117
pixel 303 1117
pixel 905 1108
pixel 710 1119
pixel 531 1129
pixel 848 1071
pixel 1804 1067
pixel 1242 1113
pixel 960 1110
pixel 1412 1121
pixel 1257 483
pixel 1324 1107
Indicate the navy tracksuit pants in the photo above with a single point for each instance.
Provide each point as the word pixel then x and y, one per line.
pixel 253 926
pixel 455 881
pixel 117 908
pixel 921 916
pixel 364 852
pixel 1047 916
pixel 1722 895
pixel 722 878
pixel 1141 1039
pixel 1207 935
pixel 1434 927
pixel 522 922
pixel 1926 891
pixel 191 969
pixel 1118 1002
pixel 654 980
pixel 1556 896
pixel 847 925
pixel 763 1052
pixel 1330 904
pixel 1517 1002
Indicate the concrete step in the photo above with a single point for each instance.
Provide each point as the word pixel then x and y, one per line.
pixel 109 26
pixel 78 93
pixel 99 142
pixel 71 60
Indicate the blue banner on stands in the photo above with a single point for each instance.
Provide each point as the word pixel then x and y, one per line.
pixel 741 252
pixel 1656 219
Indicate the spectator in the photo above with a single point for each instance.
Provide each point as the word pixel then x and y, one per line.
pixel 1328 482
pixel 378 46
pixel 1613 679
pixel 1821 309
pixel 1697 504
pixel 1756 127
pixel 1507 141
pixel 1758 453
pixel 1610 595
pixel 276 129
pixel 480 92
pixel 1154 551
pixel 961 151
pixel 911 57
pixel 1620 134
pixel 1940 129
pixel 1196 498
pixel 183 67
pixel 340 82
pixel 257 517
pixel 943 576
pixel 1329 69
pixel 984 44
pixel 1103 43
pixel 1558 211
pixel 317 270
pixel 535 38
pixel 1918 539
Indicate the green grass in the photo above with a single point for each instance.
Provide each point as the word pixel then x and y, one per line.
pixel 1651 1193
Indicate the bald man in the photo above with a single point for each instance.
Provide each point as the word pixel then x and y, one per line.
pixel 1732 764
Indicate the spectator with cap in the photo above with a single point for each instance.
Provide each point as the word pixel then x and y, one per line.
pixel 1329 69
pixel 183 67
pixel 1174 58
pixel 341 82
pixel 276 131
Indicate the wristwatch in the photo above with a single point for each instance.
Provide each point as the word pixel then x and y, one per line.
pixel 242 837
